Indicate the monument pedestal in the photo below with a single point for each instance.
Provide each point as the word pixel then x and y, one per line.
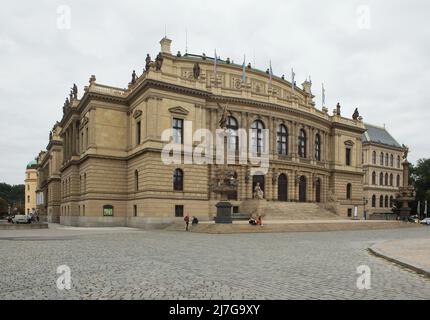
pixel 404 213
pixel 223 212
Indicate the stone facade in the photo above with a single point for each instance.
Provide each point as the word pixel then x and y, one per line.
pixel 49 196
pixel 382 156
pixel 106 159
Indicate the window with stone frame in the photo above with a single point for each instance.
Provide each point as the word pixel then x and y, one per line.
pixel 178 130
pixel 348 191
pixel 302 143
pixel 348 156
pixel 373 201
pixel 282 140
pixel 233 138
pixel 374 178
pixel 257 128
pixel 178 180
pixel 317 147
pixel 374 157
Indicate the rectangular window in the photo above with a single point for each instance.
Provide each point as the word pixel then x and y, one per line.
pixel 348 156
pixel 135 210
pixel 349 212
pixel 178 130
pixel 179 210
pixel 235 209
pixel 138 132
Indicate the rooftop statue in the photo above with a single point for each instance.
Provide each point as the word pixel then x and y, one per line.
pixel 147 61
pixel 75 91
pixel 338 109
pixel 405 151
pixel 133 77
pixel 158 61
pixel 355 115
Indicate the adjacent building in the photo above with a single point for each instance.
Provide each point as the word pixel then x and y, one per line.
pixel 103 162
pixel 382 168
pixel 30 186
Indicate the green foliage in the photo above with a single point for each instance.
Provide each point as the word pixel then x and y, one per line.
pixel 12 195
pixel 420 176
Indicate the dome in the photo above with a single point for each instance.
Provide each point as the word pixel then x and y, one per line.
pixel 32 164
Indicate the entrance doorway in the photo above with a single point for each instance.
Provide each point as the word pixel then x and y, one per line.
pixel 318 190
pixel 282 187
pixel 302 189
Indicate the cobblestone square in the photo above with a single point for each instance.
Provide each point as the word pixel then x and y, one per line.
pixel 134 264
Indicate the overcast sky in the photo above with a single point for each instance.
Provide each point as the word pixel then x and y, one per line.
pixel 373 55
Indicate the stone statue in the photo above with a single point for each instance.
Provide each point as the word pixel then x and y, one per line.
pixel 133 77
pixel 75 91
pixel 338 109
pixel 355 115
pixel 405 152
pixel 223 119
pixel 258 193
pixel 196 71
pixel 147 61
pixel 204 56
pixel 71 95
pixel 179 54
pixel 249 65
pixel 228 61
pixel 158 61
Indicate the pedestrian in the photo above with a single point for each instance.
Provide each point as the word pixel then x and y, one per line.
pixel 259 221
pixel 194 221
pixel 187 222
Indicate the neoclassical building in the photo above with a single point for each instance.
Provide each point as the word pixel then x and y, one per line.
pixel 103 162
pixel 382 156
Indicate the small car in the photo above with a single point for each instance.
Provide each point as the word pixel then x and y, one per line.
pixel 425 221
pixel 21 218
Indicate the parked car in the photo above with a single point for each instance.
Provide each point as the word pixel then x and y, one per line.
pixel 21 218
pixel 425 221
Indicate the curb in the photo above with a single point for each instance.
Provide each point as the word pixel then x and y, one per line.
pixel 378 253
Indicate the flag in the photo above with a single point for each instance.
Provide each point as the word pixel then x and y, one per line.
pixel 270 72
pixel 243 70
pixel 323 94
pixel 292 79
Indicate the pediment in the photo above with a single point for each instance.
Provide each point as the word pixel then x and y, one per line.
pixel 349 143
pixel 179 110
pixel 137 113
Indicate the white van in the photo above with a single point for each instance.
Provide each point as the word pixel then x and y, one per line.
pixel 20 218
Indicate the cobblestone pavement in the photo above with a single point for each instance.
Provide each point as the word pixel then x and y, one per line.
pixel 135 264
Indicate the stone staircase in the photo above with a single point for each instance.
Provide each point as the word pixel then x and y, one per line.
pixel 275 210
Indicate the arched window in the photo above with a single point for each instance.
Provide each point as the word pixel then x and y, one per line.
pixel 398 181
pixel 398 161
pixel 381 179
pixel 391 201
pixel 302 143
pixel 178 180
pixel 391 160
pixel 317 147
pixel 374 157
pixel 282 138
pixel 391 179
pixel 136 180
pixel 381 159
pixel 257 136
pixel 386 159
pixel 373 177
pixel 386 201
pixel 386 179
pixel 373 201
pixel 381 201
pixel 348 191
pixel 233 139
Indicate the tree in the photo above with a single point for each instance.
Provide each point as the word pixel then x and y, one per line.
pixel 3 206
pixel 421 179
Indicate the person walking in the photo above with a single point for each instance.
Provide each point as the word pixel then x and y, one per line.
pixel 187 222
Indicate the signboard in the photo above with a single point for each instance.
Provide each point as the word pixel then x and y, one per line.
pixel 107 211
